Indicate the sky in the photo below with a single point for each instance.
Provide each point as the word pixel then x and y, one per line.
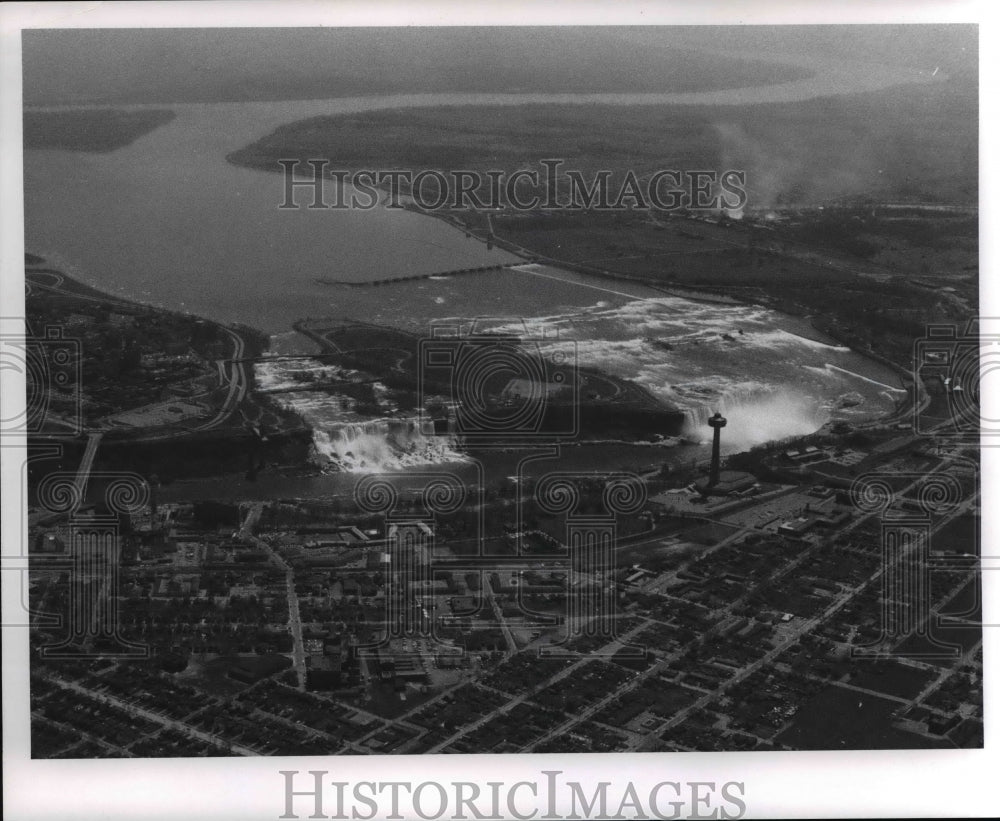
pixel 215 65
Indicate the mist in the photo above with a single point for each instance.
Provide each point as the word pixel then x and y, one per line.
pixel 775 415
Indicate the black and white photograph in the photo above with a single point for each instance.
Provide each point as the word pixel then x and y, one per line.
pixel 470 393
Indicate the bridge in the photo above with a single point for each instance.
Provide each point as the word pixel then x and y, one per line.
pixel 373 283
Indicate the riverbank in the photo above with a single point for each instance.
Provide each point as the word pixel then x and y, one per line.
pixel 162 392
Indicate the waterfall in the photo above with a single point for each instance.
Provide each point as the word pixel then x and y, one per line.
pixel 341 440
pixel 727 401
pixel 754 414
pixel 381 444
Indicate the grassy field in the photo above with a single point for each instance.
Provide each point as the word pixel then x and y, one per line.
pixel 911 142
pixel 869 275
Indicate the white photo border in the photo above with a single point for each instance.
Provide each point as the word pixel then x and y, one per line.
pixel 777 785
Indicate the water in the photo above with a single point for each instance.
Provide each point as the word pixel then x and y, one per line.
pixel 342 439
pixel 480 468
pixel 754 365
pixel 168 221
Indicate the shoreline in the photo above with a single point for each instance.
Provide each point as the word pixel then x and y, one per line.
pixel 530 258
pixel 698 295
pixel 313 473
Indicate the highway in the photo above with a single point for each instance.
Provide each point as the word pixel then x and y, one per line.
pixel 232 372
pixel 237 379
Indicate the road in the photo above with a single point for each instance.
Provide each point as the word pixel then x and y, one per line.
pixel 238 380
pixel 294 617
pixel 86 463
pixel 498 612
pixel 796 635
pixel 232 372
pixel 769 657
pixel 149 715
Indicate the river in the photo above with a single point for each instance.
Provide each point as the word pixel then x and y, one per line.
pixel 168 221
